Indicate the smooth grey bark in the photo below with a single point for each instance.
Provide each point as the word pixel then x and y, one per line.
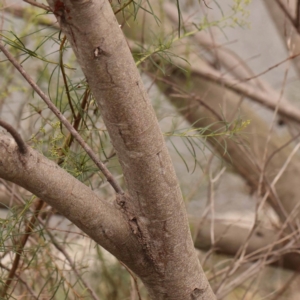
pixel 154 207
pixel 99 219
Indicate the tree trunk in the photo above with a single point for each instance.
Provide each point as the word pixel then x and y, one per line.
pixel 154 207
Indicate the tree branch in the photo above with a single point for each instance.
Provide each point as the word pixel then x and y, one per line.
pixel 22 146
pixel 39 5
pixel 297 23
pixel 285 25
pixel 229 238
pixel 110 178
pixel 103 222
pixel 228 59
pixel 245 157
pixel 244 89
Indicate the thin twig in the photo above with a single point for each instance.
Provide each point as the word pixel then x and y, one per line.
pixel 62 68
pixel 39 205
pixel 10 190
pixel 283 289
pixel 280 148
pixel 211 195
pixel 121 8
pixel 264 159
pixel 134 279
pixel 20 12
pixel 21 280
pixel 185 95
pixel 62 250
pixel 20 248
pixel 287 13
pixel 291 57
pixel 39 5
pixel 64 121
pixel 22 146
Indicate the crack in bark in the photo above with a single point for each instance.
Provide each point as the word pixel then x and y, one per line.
pixel 124 201
pixel 110 76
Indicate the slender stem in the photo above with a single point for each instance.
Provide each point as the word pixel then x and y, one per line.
pixel 76 122
pixel 61 63
pixel 64 121
pixel 39 5
pixel 68 258
pixel 21 280
pixel 20 247
pixel 22 146
pixel 121 8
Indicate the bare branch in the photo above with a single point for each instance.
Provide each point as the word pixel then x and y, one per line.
pixel 99 219
pixel 39 5
pixel 22 146
pixel 286 109
pixel 72 264
pixel 287 13
pixel 230 60
pixel 202 69
pixel 110 178
pixel 20 12
pixel 21 280
pixel 286 26
pixel 230 236
pixel 297 23
pixel 246 160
